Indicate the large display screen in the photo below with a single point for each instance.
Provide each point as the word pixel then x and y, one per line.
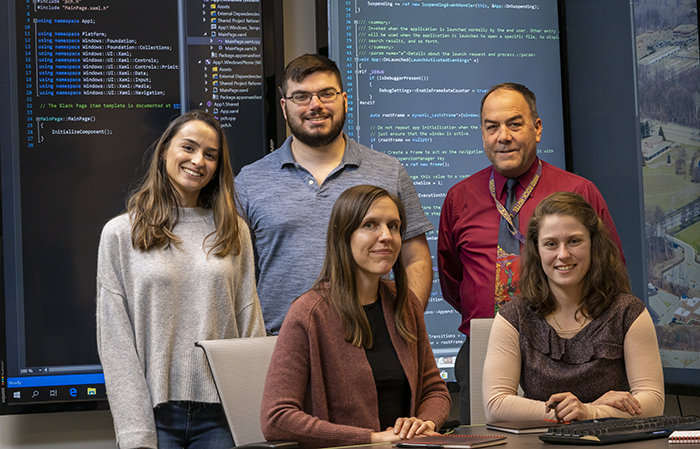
pixel 88 86
pixel 415 73
pixel 669 75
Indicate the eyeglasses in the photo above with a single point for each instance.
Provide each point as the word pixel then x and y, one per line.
pixel 304 98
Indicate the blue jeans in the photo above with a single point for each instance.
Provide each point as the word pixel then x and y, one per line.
pixel 192 425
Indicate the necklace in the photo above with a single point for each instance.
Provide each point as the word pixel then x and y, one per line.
pixel 561 328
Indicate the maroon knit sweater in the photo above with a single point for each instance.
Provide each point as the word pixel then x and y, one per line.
pixel 320 390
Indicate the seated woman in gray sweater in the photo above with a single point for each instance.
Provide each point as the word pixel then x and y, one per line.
pixel 176 268
pixel 352 363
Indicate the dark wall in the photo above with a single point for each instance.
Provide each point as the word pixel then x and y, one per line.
pixel 605 141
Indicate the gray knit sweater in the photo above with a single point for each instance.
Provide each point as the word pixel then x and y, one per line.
pixel 153 306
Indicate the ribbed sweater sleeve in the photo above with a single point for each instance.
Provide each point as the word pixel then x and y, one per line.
pixel 433 402
pixel 130 404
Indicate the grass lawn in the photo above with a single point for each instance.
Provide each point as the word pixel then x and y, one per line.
pixel 663 187
pixel 691 236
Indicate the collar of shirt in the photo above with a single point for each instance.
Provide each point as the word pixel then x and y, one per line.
pixel 351 157
pixel 523 180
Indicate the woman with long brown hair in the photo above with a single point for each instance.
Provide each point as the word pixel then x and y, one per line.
pixel 577 341
pixel 175 268
pixel 352 363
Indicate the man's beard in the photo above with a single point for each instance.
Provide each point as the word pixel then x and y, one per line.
pixel 317 140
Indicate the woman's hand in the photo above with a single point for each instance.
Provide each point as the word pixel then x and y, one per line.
pixel 404 429
pixel 622 400
pixel 567 407
pixel 407 428
pixel 388 436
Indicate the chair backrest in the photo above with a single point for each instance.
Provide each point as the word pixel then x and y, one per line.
pixel 239 367
pixel 478 343
pixel 480 328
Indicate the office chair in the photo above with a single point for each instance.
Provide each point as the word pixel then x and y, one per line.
pixel 239 367
pixel 478 343
pixel 480 328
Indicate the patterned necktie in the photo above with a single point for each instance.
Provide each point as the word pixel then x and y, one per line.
pixel 506 240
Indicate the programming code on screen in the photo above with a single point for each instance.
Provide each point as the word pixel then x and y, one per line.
pixel 97 83
pixel 415 73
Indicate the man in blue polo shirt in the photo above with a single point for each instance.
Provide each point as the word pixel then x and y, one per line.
pixel 287 196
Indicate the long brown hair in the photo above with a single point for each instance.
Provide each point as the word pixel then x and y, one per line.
pixel 153 206
pixel 339 274
pixel 607 276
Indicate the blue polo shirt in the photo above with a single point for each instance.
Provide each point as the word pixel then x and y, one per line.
pixel 288 213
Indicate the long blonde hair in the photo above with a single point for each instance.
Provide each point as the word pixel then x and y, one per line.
pixel 339 274
pixel 153 206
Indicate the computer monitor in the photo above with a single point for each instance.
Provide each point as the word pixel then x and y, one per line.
pixel 86 89
pixel 667 76
pixel 415 73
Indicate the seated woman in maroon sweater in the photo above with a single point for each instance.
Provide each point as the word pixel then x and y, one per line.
pixel 352 363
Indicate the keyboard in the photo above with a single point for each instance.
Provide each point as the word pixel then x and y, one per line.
pixel 618 430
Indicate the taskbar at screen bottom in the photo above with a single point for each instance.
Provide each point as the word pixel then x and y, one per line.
pixel 53 393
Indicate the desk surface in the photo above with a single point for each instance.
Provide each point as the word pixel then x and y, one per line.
pixel 530 441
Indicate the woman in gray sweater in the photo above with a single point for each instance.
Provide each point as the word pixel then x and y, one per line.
pixel 176 268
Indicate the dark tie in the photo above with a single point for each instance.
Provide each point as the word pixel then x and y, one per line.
pixel 506 239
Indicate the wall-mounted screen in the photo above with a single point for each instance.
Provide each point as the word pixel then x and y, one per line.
pixel 415 72
pixel 668 76
pixel 86 87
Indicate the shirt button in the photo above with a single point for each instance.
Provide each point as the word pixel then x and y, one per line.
pixel 311 181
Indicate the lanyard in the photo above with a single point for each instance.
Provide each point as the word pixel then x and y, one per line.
pixel 509 215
